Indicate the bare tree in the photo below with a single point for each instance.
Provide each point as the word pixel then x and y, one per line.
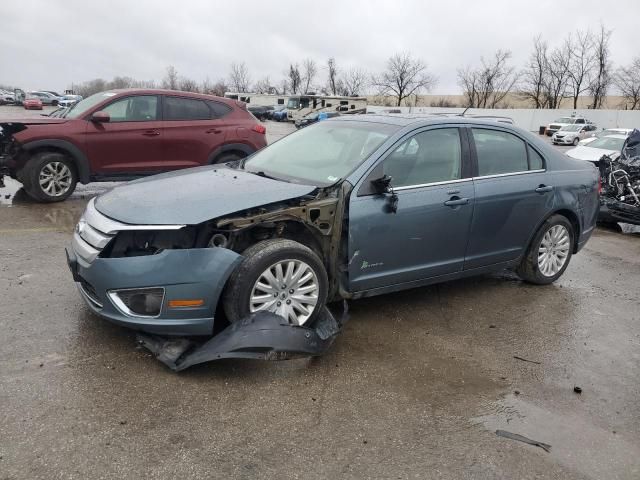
pixel 284 87
pixel 188 85
pixel 534 75
pixel 239 78
pixel 627 79
pixel 557 76
pixel 404 76
pixel 602 72
pixel 352 82
pixel 581 64
pixel 295 79
pixel 170 80
pixel 309 70
pixel 220 88
pixel 264 86
pixel 333 76
pixel 489 84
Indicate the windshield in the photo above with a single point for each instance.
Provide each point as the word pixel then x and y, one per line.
pixel 564 120
pixel 81 107
pixel 322 153
pixel 571 128
pixel 293 103
pixel 608 143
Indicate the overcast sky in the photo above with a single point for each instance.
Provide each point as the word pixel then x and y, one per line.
pixel 49 44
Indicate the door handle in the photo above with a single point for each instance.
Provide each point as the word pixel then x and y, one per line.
pixel 455 201
pixel 213 130
pixel 151 133
pixel 544 189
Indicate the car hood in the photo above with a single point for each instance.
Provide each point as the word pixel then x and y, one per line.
pixel 588 153
pixel 192 196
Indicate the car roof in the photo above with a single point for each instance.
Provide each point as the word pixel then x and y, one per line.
pixel 177 93
pixel 623 137
pixel 403 120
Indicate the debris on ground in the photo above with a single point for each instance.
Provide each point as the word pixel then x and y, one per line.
pixel 521 438
pixel 526 360
pixel 577 389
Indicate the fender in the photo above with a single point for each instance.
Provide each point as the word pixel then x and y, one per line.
pixel 79 158
pixel 230 147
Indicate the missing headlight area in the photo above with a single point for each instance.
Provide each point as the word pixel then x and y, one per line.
pixel 136 243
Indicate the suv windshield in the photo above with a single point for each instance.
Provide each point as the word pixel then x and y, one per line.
pixel 81 107
pixel 571 128
pixel 564 120
pixel 320 154
pixel 608 143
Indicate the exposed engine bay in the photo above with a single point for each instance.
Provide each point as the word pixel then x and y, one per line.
pixel 620 179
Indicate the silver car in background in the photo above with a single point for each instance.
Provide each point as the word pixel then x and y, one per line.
pixel 603 133
pixel 572 134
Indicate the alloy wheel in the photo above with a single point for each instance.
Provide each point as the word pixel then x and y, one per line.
pixel 288 288
pixel 55 179
pixel 554 250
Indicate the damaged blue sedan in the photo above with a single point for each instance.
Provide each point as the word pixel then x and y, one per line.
pixel 347 208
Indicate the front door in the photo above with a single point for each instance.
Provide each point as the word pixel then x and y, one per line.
pixel 131 142
pixel 513 193
pixel 427 235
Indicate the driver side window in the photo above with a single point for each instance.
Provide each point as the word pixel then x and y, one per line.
pixel 142 108
pixel 427 157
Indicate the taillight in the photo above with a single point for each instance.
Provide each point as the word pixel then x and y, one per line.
pixel 259 128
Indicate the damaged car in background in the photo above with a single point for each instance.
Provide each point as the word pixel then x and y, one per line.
pixel 249 253
pixel 620 177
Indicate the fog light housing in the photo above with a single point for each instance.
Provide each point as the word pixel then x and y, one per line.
pixel 138 302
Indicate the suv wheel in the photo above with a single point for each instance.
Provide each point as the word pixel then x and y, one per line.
pixel 279 276
pixel 228 157
pixel 49 177
pixel 549 253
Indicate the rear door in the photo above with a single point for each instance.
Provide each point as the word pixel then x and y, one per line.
pixel 427 235
pixel 512 195
pixel 131 142
pixel 193 128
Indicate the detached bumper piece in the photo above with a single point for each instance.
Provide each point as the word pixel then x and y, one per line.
pixel 261 336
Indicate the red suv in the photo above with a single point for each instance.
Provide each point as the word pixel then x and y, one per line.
pixel 125 134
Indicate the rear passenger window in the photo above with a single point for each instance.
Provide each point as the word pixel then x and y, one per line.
pixel 428 157
pixel 499 152
pixel 185 109
pixel 535 160
pixel 218 110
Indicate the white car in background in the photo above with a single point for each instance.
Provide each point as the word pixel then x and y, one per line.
pixel 604 133
pixel 571 134
pixel 68 101
pixel 557 124
pixel 608 145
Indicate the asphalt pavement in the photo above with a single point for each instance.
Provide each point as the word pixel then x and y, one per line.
pixel 415 387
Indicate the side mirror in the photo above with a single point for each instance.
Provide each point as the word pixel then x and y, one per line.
pixel 100 117
pixel 382 184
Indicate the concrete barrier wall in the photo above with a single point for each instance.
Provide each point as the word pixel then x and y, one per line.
pixel 532 119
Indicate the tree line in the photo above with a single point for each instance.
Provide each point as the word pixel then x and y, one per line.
pixel 578 66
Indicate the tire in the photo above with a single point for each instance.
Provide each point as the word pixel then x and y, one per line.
pixel 228 157
pixel 52 164
pixel 262 258
pixel 576 141
pixel 54 103
pixel 533 265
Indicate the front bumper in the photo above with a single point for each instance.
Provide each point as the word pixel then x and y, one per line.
pixel 199 273
pixel 563 141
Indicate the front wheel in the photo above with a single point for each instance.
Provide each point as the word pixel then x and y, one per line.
pixel 576 141
pixel 280 276
pixel 49 177
pixel 550 251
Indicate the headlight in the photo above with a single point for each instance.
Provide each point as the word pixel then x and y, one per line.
pixel 138 302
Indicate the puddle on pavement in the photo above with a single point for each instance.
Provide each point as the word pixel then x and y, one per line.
pixel 575 441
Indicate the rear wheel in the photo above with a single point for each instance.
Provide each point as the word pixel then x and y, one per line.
pixel 279 276
pixel 49 177
pixel 549 253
